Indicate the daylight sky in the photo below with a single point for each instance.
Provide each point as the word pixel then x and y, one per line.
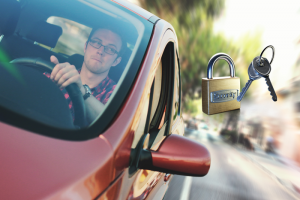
pixel 279 22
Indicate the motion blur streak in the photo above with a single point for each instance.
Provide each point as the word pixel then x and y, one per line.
pixel 232 176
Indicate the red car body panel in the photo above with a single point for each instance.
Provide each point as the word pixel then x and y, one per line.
pixel 40 166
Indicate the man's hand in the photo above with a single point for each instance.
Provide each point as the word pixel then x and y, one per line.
pixel 64 74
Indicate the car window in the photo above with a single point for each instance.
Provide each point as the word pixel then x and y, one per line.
pixel 162 102
pixel 64 29
pixel 158 124
pixel 154 113
pixel 141 123
pixel 74 35
pixel 176 96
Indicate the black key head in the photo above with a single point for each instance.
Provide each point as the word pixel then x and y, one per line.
pixel 262 66
pixel 253 75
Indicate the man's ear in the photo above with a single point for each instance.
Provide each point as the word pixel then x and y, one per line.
pixel 117 61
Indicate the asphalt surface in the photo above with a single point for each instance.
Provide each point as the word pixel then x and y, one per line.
pixel 231 176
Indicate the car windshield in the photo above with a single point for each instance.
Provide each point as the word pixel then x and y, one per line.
pixel 101 39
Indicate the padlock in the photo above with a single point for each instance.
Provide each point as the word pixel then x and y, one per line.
pixel 219 94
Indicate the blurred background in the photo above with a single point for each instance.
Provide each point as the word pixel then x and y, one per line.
pixel 255 150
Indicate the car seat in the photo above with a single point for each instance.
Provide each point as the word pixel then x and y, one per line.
pixel 45 33
pixel 17 46
pixel 9 16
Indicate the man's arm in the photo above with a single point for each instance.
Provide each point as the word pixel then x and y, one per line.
pixel 93 107
pixel 63 74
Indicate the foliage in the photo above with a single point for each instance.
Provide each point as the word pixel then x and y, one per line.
pixel 193 23
pixel 181 8
pixel 193 106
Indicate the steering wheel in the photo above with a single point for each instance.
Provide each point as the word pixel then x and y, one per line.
pixel 73 90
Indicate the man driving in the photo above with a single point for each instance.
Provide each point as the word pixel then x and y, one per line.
pixel 102 51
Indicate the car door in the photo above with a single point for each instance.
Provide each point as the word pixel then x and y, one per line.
pixel 159 119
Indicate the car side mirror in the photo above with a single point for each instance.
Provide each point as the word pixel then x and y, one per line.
pixel 177 155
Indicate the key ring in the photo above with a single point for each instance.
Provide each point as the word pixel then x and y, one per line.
pixel 273 52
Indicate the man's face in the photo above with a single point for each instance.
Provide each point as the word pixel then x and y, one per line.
pixel 98 61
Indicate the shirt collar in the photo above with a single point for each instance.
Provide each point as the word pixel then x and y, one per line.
pixel 101 83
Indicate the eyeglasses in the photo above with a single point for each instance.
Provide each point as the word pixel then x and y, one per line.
pixel 96 44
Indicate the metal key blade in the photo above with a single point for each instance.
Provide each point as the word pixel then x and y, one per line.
pixel 244 90
pixel 270 88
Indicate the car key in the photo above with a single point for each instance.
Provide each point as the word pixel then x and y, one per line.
pixel 263 67
pixel 253 75
pixel 260 67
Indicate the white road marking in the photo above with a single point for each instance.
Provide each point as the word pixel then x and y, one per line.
pixel 185 193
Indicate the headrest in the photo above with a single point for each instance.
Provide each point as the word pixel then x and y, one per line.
pixel 45 33
pixel 9 16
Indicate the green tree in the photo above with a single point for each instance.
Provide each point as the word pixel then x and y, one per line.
pixel 193 23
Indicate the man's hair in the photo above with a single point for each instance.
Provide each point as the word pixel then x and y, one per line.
pixel 114 30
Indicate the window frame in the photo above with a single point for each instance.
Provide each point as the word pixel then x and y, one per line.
pixel 177 74
pixel 152 135
pixel 164 108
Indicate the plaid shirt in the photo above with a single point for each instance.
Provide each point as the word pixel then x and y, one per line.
pixel 101 92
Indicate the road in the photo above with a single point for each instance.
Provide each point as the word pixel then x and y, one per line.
pixel 231 176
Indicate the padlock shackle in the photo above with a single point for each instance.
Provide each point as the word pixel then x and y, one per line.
pixel 214 59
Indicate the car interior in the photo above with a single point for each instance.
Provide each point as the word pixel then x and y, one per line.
pixel 25 33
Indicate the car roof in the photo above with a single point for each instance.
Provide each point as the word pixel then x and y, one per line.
pixel 124 3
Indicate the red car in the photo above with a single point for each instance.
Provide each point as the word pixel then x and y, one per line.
pixel 50 146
